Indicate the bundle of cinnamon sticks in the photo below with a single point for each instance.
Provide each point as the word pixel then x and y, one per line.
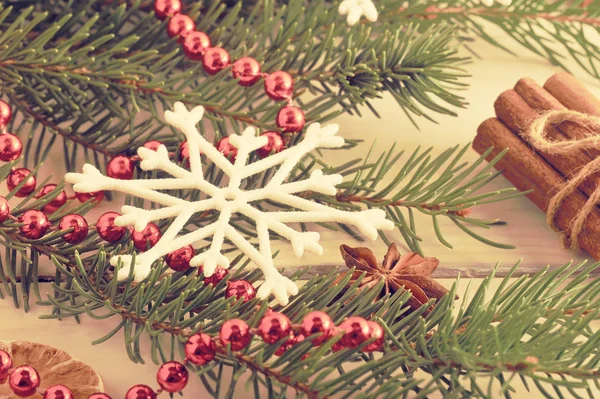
pixel 529 168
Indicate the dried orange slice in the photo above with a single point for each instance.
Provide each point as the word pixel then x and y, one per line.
pixel 55 366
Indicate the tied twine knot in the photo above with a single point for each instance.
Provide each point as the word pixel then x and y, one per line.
pixel 541 142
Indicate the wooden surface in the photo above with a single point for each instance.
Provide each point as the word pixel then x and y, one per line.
pixel 537 244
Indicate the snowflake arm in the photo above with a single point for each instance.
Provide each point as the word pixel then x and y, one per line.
pixel 317 182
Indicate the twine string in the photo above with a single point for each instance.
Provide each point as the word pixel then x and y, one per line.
pixel 540 141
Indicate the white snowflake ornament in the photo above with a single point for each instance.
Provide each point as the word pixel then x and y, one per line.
pixel 490 3
pixel 230 200
pixel 356 9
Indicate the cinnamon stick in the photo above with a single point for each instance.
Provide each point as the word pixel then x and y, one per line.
pixel 573 94
pixel 542 101
pixel 512 109
pixel 541 176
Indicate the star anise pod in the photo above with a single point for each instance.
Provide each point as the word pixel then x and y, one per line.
pixel 409 271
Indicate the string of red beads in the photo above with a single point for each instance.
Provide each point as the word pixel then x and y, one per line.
pixel 202 348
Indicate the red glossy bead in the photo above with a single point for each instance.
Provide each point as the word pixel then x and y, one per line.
pixel 180 25
pixel 84 197
pixel 147 238
pixel 274 145
pixel 79 225
pixel 152 145
pixel 172 376
pixel 227 149
pixel 24 381
pixel 58 392
pixel 184 151
pixel 219 274
pixel 5 365
pixel 35 224
pixel 4 209
pixel 16 176
pixel 317 322
pixel 274 326
pixel 200 349
pixel 356 331
pixel 120 167
pixel 294 340
pixel 166 8
pixel 279 85
pixel 291 119
pixel 240 289
pixel 246 70
pixel 57 202
pixel 10 147
pixel 179 260
pixel 140 392
pixel 236 333
pixel 376 331
pixel 195 45
pixel 106 228
pixel 215 60
pixel 99 395
pixel 5 114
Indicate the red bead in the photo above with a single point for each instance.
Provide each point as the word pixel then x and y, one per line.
pixel 179 260
pixel 24 381
pixel 195 45
pixel 16 176
pixel 120 167
pixel 180 25
pixel 35 224
pixel 279 85
pixel 317 322
pixel 184 151
pixel 5 114
pixel 79 225
pixel 166 8
pixel 240 289
pixel 294 340
pixel 54 204
pixel 84 197
pixel 106 228
pixel 275 144
pixel 140 392
pixel 219 274
pixel 227 149
pixel 172 376
pixel 356 331
pixel 290 119
pixel 10 147
pixel 274 326
pixel 200 349
pixel 58 392
pixel 236 333
pixel 376 331
pixel 99 395
pixel 4 209
pixel 5 365
pixel 215 60
pixel 246 70
pixel 152 145
pixel 147 238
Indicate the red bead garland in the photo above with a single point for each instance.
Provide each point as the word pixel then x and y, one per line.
pixel 24 381
pixel 317 322
pixel 79 225
pixel 376 331
pixel 172 376
pixel 291 119
pixel 99 395
pixel 120 167
pixel 4 210
pixel 5 114
pixel 275 144
pixel 11 147
pixel 55 203
pixel 200 349
pixel 179 260
pixel 274 326
pixel 235 332
pixel 84 197
pixel 356 331
pixel 219 274
pixel 166 8
pixel 5 365
pixel 180 25
pixel 140 391
pixel 152 145
pixel 106 228
pixel 215 60
pixel 279 85
pixel 58 392
pixel 246 70
pixel 16 176
pixel 195 45
pixel 227 149
pixel 147 238
pixel 240 289
pixel 35 224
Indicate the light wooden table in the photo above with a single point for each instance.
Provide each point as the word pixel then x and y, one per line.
pixel 526 228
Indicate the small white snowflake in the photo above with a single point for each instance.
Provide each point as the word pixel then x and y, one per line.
pixel 357 8
pixel 230 200
pixel 490 3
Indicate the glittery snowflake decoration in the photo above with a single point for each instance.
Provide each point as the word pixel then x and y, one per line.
pixel 354 9
pixel 230 200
